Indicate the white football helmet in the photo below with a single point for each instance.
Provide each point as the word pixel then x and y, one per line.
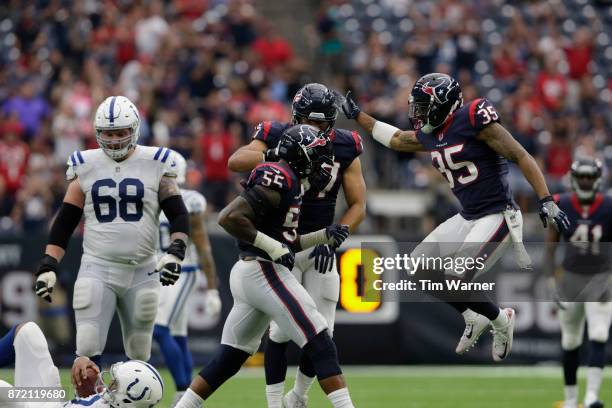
pixel 132 384
pixel 115 113
pixel 181 168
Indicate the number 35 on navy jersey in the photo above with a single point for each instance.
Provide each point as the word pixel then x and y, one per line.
pixel 121 203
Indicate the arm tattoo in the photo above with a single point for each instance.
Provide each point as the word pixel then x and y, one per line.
pixel 501 141
pixel 406 141
pixel 167 188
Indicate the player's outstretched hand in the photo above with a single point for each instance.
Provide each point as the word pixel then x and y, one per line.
pixel 350 107
pixel 46 277
pixel 323 258
pixel 336 234
pixel 287 259
pixel 212 302
pixel 551 213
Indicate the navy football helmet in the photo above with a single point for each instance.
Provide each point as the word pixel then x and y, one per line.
pixel 432 100
pixel 585 176
pixel 315 102
pixel 307 149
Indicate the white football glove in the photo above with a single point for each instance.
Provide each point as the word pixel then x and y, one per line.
pixel 44 285
pixel 169 268
pixel 212 302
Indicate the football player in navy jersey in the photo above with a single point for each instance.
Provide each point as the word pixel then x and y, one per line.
pixel 316 105
pixel 583 287
pixel 264 219
pixel 471 149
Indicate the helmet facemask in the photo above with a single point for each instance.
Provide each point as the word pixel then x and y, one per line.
pixel 418 113
pixel 117 147
pixel 586 179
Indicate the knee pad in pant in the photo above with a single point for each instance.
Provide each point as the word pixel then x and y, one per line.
pixel 322 352
pixel 224 365
pixel 138 346
pixel 146 303
pixel 88 340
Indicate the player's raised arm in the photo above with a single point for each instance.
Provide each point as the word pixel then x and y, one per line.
pixel 171 203
pixel 258 151
pixel 502 142
pixel 63 226
pixel 383 133
pixel 354 189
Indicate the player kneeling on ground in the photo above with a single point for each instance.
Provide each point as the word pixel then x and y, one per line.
pixel 131 384
pixel 582 288
pixel 264 219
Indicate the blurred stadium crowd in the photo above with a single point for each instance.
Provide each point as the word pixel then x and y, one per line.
pixel 204 73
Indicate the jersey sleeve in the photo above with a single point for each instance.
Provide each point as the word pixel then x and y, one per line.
pixel 74 161
pixel 268 132
pixel 168 163
pixel 273 176
pixel 482 113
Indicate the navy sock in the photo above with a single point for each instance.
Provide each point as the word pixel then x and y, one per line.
pixel 597 354
pixel 306 366
pixel 571 360
pixel 98 360
pixel 459 306
pixel 487 309
pixel 172 355
pixel 275 362
pixel 7 351
pixel 187 357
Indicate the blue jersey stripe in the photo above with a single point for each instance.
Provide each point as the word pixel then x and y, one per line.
pixel 73 160
pixel 80 157
pixel 86 403
pixel 189 269
pixel 112 110
pixel 163 160
pixel 157 153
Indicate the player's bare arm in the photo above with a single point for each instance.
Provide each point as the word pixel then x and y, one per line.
pixel 199 237
pixel 385 134
pixel 501 141
pixel 247 157
pixel 354 188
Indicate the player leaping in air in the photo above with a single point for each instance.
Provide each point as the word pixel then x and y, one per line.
pixel 472 149
pixel 316 105
pixel 120 188
pixel 264 219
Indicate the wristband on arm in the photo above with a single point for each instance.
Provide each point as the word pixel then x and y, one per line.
pixel 383 132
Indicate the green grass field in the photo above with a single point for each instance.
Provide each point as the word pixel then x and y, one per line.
pixel 410 387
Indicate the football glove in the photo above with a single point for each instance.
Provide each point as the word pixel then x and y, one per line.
pixel 336 234
pixel 46 277
pixel 349 106
pixel 169 265
pixel 212 302
pixel 287 259
pixel 323 258
pixel 551 213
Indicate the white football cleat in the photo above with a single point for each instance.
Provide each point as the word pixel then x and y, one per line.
pixel 292 400
pixel 502 337
pixel 475 325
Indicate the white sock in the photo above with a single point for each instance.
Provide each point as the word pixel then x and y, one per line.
pixel 190 400
pixel 177 398
pixel 340 398
pixel 302 384
pixel 594 377
pixel 571 393
pixel 501 321
pixel 274 394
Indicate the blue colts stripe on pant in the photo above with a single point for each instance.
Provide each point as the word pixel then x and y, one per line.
pixel 182 297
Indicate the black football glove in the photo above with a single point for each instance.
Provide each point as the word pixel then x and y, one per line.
pixel 287 259
pixel 337 233
pixel 169 265
pixel 271 155
pixel 349 106
pixel 46 277
pixel 323 258
pixel 551 213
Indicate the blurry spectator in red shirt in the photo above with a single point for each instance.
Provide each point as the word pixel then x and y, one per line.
pixel 14 154
pixel 272 48
pixel 551 86
pixel 559 155
pixel 216 147
pixel 265 108
pixel 580 53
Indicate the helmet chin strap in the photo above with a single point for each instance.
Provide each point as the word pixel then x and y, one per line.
pixel 427 128
pixel 305 184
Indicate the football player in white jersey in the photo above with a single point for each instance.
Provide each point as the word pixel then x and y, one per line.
pixel 170 330
pixel 121 188
pixel 132 384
